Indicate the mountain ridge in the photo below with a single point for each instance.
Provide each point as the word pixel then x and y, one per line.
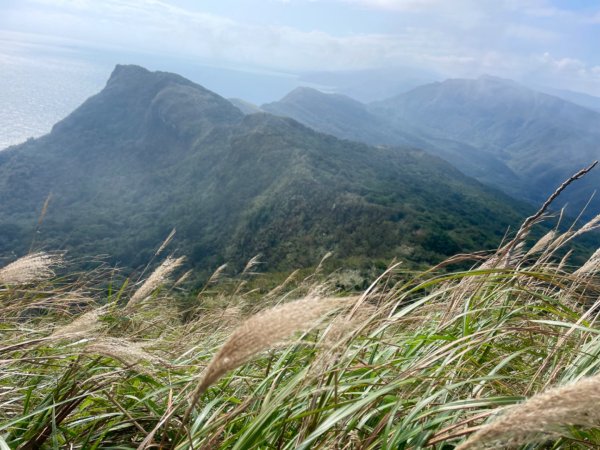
pixel 129 165
pixel 491 128
pixel 321 112
pixel 541 138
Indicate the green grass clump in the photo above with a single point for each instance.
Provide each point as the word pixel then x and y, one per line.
pixel 422 360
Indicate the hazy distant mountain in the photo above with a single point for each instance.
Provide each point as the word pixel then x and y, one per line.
pixel 153 151
pixel 579 98
pixel 371 84
pixel 347 118
pixel 338 115
pixel 497 131
pixel 244 106
pixel 541 138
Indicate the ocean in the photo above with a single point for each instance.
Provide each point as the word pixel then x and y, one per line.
pixel 43 80
pixel 40 86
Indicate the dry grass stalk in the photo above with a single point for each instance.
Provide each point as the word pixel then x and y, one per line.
pixel 591 225
pixel 44 210
pixel 183 278
pixel 263 331
pixel 341 329
pixel 564 260
pixel 155 280
pixel 128 352
pixel 250 265
pixel 468 286
pixel 230 316
pixel 507 250
pixel 323 259
pixel 84 325
pixel 542 243
pixel 531 220
pixel 166 242
pixel 545 415
pixel 560 241
pixel 591 266
pixel 29 269
pixel 339 333
pixel 216 276
pixel 214 279
pixel 503 259
pixel 278 289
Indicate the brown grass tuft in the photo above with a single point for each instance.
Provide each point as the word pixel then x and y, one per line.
pixel 545 415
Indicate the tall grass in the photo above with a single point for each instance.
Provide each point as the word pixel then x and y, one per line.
pixel 506 353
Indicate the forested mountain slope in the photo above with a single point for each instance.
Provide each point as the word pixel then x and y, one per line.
pixel 153 151
pixel 503 134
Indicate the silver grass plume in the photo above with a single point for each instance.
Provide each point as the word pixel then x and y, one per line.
pixel 277 289
pixel 591 225
pixel 214 279
pixel 159 277
pixel 542 244
pixel 29 269
pixel 166 242
pixel 591 266
pixel 183 278
pixel 86 324
pixel 544 416
pixel 263 331
pixel 128 352
pixel 251 264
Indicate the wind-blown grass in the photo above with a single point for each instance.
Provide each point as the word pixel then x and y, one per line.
pixel 435 359
pixel 543 416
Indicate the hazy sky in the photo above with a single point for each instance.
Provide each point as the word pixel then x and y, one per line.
pixel 551 42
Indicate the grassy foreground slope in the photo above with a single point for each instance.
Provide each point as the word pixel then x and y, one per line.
pixel 470 359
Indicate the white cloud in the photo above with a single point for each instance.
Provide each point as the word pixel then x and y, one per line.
pixel 531 33
pixel 456 38
pixel 562 64
pixel 159 27
pixel 398 5
pixel 567 73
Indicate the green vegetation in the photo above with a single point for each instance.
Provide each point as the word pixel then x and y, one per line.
pixel 501 133
pixel 422 357
pixel 537 138
pixel 419 360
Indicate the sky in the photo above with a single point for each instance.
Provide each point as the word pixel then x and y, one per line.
pixel 546 42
